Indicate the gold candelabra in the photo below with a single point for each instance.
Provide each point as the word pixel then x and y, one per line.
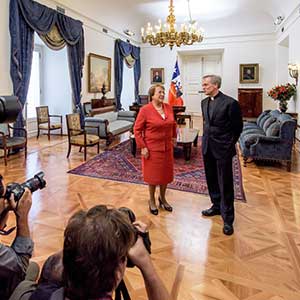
pixel 168 35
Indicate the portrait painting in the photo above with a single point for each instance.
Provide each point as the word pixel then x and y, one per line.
pixel 249 73
pixel 157 75
pixel 99 73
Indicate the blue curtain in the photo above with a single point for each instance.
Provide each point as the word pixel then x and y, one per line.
pixel 123 49
pixel 21 58
pixel 27 16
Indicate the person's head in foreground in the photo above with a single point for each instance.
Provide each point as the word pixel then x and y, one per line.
pixel 96 244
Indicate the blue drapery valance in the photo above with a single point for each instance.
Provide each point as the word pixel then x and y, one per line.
pixel 123 49
pixel 27 16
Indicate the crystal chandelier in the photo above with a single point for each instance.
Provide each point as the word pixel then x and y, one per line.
pixel 168 35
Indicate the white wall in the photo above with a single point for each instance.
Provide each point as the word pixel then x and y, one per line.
pixel 257 49
pixel 156 57
pixel 97 43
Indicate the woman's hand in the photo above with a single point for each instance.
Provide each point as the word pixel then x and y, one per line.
pixel 145 153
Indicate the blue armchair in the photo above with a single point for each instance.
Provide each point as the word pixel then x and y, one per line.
pixel 271 138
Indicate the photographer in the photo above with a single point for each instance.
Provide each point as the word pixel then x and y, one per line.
pixel 14 260
pixel 97 243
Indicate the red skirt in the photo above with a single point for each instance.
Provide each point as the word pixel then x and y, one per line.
pixel 158 169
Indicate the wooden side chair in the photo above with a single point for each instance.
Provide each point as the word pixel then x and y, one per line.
pixel 44 121
pixel 9 142
pixel 78 136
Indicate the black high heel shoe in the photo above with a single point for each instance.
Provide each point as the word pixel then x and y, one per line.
pixel 165 206
pixel 154 211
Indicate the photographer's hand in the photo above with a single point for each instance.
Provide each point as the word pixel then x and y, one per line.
pixel 4 205
pixel 141 258
pixel 142 227
pixel 22 214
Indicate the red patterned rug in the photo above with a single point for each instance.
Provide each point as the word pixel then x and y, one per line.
pixel 119 164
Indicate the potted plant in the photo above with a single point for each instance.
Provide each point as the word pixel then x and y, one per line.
pixel 282 93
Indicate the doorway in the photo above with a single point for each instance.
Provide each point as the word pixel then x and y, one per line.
pixel 194 66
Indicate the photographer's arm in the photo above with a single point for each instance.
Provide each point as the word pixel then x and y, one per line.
pixel 16 257
pixel 23 245
pixel 154 286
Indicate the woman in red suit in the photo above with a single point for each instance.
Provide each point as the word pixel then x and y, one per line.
pixel 155 133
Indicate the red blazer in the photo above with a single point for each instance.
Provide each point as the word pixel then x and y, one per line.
pixel 152 131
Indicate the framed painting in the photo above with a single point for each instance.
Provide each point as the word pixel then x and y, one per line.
pixel 157 75
pixel 249 73
pixel 99 73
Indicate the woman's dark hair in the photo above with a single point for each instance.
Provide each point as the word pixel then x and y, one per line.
pixel 95 243
pixel 151 91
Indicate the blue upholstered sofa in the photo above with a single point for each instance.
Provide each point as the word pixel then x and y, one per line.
pixel 271 137
pixel 110 124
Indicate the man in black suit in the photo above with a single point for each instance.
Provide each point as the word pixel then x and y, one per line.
pixel 222 126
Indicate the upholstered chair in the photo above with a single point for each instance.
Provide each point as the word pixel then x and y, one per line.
pixel 8 142
pixel 78 136
pixel 44 121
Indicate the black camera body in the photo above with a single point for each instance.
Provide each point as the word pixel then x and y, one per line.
pixel 33 184
pixel 10 107
pixel 145 235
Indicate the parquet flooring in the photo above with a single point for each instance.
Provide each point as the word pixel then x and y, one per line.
pixel 261 261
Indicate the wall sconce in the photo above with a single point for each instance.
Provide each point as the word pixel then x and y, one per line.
pixel 293 71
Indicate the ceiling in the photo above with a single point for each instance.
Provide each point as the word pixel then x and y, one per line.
pixel 217 17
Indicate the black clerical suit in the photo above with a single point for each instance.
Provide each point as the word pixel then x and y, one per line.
pixel 222 126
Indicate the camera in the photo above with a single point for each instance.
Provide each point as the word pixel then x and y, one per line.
pixel 10 107
pixel 33 184
pixel 17 189
pixel 145 235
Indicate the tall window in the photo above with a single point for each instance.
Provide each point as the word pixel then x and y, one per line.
pixel 34 91
pixel 128 94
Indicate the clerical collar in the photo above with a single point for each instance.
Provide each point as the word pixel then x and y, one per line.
pixel 213 98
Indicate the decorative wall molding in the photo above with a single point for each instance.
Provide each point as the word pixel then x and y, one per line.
pixel 288 22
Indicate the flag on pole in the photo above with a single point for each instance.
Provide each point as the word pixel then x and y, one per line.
pixel 175 91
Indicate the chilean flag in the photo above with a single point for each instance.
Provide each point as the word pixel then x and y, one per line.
pixel 175 92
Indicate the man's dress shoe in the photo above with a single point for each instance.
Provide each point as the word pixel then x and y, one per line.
pixel 228 229
pixel 211 212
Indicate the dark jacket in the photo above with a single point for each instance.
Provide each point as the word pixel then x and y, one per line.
pixel 221 131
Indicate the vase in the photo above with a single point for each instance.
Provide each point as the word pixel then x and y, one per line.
pixel 283 105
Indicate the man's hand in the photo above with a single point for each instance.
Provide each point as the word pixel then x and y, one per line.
pixel 138 254
pixel 24 204
pixel 22 212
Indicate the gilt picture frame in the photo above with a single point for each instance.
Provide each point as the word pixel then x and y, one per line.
pixel 99 73
pixel 249 73
pixel 157 75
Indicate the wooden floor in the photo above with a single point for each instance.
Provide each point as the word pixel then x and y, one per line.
pixel 261 261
